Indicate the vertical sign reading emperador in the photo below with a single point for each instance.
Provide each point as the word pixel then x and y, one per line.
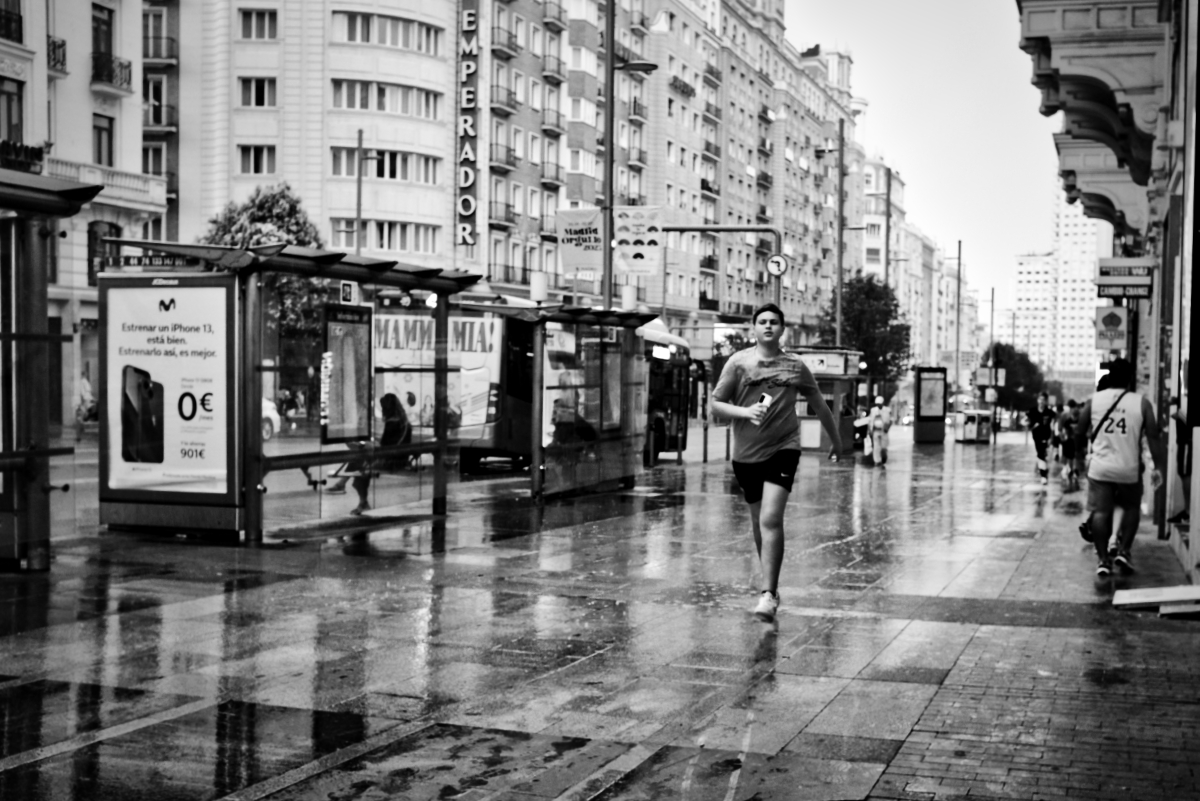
pixel 467 147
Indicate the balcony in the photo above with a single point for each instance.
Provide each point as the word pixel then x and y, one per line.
pixel 764 214
pixel 638 157
pixel 12 26
pixel 159 118
pixel 682 87
pixel 765 179
pixel 161 50
pixel 634 200
pixel 553 69
pixel 503 159
pixel 504 43
pixel 554 17
pixel 501 215
pixel 766 78
pixel 549 230
pixel 712 73
pixel 766 114
pixel 111 75
pixel 553 123
pixel 709 263
pixel 504 100
pixel 601 95
pixel 131 190
pixel 765 246
pixel 709 304
pixel 552 175
pixel 712 110
pixel 638 19
pixel 56 56
pixel 712 149
pixel 637 110
pixel 709 187
pixel 765 146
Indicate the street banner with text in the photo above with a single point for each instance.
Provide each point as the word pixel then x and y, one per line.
pixel 579 242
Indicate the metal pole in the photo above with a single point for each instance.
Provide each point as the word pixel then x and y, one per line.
pixel 958 329
pixel 992 360
pixel 887 232
pixel 610 114
pixel 841 177
pixel 358 226
pixel 31 363
pixel 537 456
pixel 251 394
pixel 441 398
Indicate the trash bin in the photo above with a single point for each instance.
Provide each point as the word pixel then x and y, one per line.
pixel 973 425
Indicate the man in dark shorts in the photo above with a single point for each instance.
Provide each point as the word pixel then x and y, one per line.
pixel 758 390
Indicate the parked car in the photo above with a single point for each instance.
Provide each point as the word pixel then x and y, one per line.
pixel 270 419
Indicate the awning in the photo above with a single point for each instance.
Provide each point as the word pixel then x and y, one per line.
pixel 656 331
pixel 294 260
pixel 25 192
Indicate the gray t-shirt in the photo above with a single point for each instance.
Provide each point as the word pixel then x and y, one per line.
pixel 743 380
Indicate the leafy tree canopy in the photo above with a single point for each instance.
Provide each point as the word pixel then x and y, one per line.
pixel 294 304
pixel 871 323
pixel 734 340
pixel 1023 380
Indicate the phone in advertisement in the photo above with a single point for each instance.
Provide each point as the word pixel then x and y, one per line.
pixel 141 417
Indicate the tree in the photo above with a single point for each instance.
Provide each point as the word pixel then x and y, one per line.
pixel 1022 378
pixel 873 324
pixel 293 305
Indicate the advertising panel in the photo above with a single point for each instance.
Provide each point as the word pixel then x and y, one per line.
pixel 404 356
pixel 1112 328
pixel 346 374
pixel 932 400
pixel 579 235
pixel 169 415
pixel 640 239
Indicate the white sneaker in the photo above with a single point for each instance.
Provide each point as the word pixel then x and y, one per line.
pixel 768 602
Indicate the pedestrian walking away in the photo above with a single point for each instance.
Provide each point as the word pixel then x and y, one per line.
pixel 1119 419
pixel 757 390
pixel 879 423
pixel 1041 425
pixel 1066 436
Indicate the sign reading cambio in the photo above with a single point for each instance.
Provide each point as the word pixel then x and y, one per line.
pixel 1112 328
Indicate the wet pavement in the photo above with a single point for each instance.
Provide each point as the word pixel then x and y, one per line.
pixel 941 636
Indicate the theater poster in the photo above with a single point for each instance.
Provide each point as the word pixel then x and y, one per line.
pixel 346 414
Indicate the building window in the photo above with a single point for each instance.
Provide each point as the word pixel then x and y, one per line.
pixel 11 110
pixel 102 140
pixel 102 30
pixel 11 24
pixel 388 235
pixel 258 24
pixel 257 159
pixel 152 229
pixel 392 98
pixel 154 100
pixel 358 28
pixel 154 159
pixel 258 92
pixel 390 165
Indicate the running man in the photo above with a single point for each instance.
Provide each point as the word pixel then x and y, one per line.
pixel 1115 419
pixel 1041 425
pixel 757 390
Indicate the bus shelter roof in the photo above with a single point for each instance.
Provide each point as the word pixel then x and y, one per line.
pixel 554 313
pixel 296 260
pixel 41 194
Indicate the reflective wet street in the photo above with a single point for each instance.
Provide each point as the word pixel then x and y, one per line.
pixel 941 636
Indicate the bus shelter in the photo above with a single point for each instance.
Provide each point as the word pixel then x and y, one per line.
pixel 29 205
pixel 669 391
pixel 837 373
pixel 237 382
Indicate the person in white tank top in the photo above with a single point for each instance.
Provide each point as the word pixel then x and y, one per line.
pixel 1116 419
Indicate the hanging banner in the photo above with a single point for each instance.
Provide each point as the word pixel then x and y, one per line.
pixel 168 390
pixel 579 241
pixel 346 414
pixel 640 240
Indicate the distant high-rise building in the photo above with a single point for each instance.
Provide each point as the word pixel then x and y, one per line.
pixel 1056 300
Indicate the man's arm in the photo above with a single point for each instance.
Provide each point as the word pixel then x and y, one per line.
pixel 1150 427
pixel 1083 427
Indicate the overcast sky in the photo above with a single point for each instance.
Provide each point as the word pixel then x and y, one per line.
pixel 951 107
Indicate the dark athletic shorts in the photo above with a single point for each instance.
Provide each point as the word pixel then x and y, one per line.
pixel 1104 496
pixel 779 469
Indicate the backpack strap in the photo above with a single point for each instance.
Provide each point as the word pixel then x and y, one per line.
pixel 1096 431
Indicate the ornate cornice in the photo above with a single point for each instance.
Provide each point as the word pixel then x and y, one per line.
pixel 1103 64
pixel 1092 174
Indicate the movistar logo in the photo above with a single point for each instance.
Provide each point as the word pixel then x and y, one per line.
pixel 166 305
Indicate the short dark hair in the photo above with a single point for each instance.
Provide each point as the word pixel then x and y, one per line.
pixel 767 307
pixel 1120 373
pixel 1072 403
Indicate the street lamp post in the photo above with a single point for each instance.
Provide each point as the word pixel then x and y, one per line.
pixel 610 115
pixel 841 178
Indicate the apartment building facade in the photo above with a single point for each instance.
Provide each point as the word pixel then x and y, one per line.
pixel 69 78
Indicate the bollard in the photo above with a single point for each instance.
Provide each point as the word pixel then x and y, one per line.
pixel 705 457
